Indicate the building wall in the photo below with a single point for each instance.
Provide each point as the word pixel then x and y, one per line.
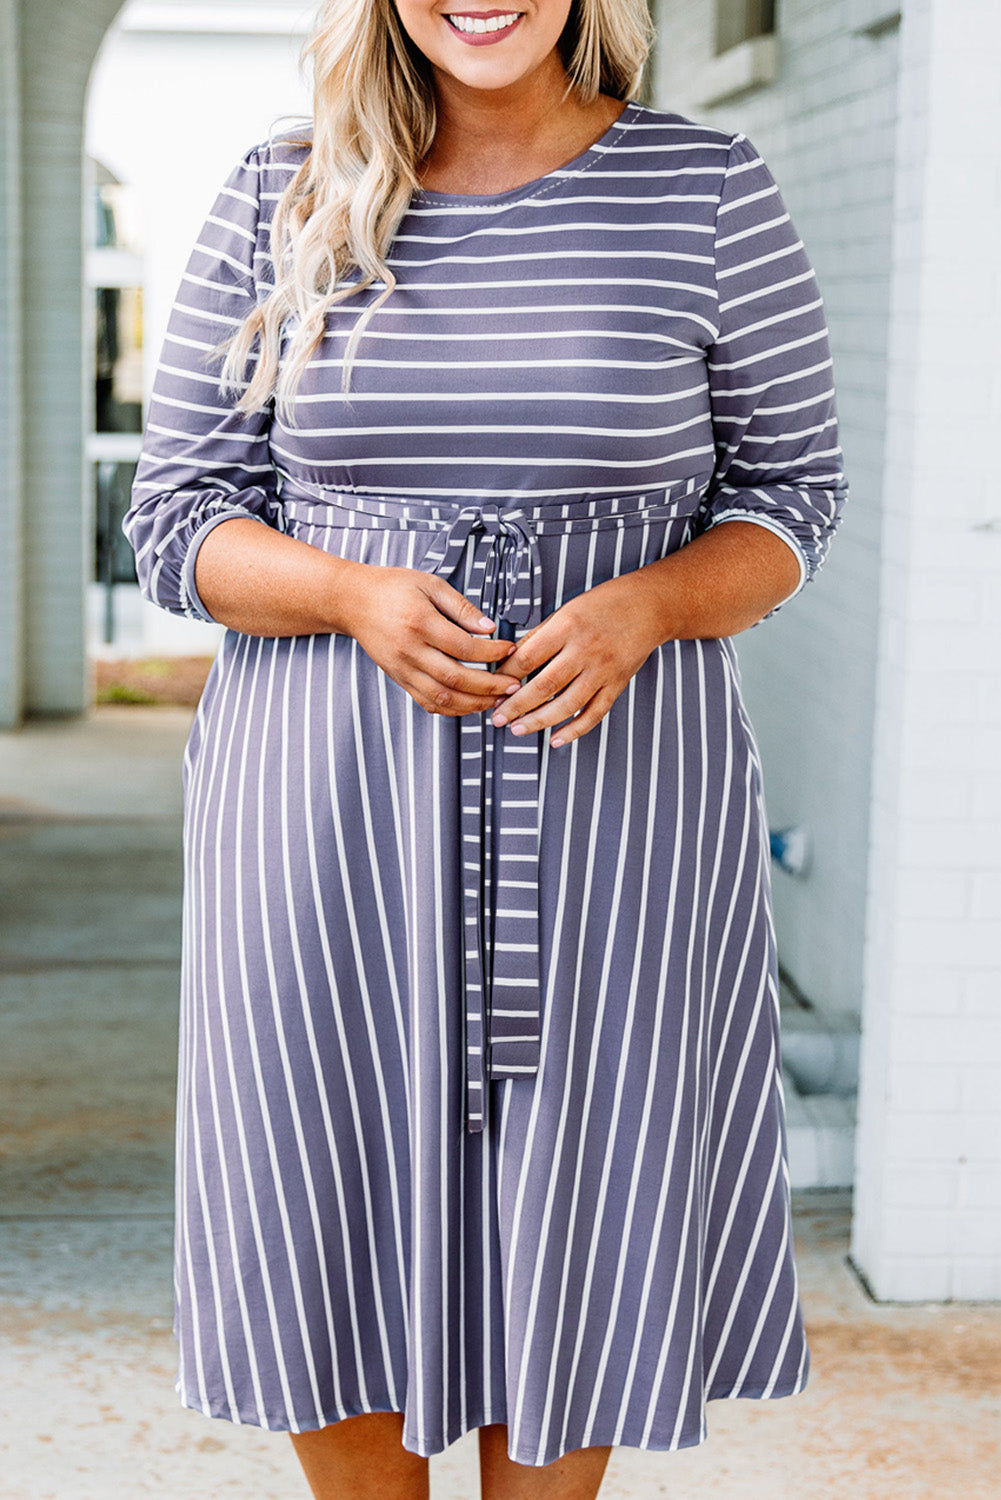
pixel 47 49
pixel 826 126
pixel 58 46
pixel 11 553
pixel 928 1181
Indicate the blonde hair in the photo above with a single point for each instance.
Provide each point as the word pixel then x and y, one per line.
pixel 374 122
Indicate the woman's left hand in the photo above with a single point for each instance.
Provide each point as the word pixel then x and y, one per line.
pixel 588 650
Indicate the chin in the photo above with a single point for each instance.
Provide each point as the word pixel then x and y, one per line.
pixel 489 74
pixel 489 80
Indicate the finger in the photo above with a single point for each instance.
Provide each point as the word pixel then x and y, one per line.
pixel 528 655
pixel 455 676
pixel 439 649
pixel 573 699
pixel 439 697
pixel 584 720
pixel 454 641
pixel 558 675
pixel 455 606
pixel 459 629
pixel 541 643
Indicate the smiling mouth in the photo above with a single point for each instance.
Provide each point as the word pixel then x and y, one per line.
pixel 480 27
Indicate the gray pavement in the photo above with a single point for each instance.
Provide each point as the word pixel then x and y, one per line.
pixel 903 1403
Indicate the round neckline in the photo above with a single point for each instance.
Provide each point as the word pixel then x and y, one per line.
pixel 576 164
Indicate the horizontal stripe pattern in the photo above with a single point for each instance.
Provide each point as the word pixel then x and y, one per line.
pixel 593 1241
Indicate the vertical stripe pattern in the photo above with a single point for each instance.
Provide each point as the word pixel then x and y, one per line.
pixel 480 1111
pixel 500 894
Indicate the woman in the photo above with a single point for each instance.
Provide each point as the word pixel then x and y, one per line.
pixel 526 411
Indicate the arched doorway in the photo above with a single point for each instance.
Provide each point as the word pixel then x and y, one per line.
pixel 48 53
pixel 49 50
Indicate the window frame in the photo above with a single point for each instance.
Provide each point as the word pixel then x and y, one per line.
pixel 740 21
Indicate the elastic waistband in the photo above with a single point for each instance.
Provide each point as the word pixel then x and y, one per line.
pixel 311 504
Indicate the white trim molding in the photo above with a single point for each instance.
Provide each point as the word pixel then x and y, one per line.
pixel 269 19
pixel 753 64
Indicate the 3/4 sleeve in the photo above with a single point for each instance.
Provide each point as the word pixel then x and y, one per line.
pixel 778 456
pixel 202 462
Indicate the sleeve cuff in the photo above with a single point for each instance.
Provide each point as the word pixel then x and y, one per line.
pixel 778 530
pixel 192 601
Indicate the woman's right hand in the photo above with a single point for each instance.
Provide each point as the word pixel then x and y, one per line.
pixel 417 627
pixel 420 630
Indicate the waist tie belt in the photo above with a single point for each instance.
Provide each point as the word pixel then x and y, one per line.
pixel 500 863
pixel 499 815
pixel 500 832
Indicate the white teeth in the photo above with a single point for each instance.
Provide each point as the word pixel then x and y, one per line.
pixel 478 25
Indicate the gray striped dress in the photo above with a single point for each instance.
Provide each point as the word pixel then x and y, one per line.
pixel 480 1113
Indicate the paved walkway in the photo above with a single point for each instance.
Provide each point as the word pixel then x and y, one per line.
pixel 903 1403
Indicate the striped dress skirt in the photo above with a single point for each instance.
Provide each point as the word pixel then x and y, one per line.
pixel 587 1237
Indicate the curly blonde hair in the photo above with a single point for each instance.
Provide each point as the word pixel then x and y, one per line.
pixel 374 122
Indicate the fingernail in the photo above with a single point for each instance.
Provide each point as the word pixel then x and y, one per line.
pixel 486 620
pixel 512 689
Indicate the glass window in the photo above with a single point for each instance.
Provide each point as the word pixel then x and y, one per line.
pixel 118 351
pixel 741 21
pixel 114 275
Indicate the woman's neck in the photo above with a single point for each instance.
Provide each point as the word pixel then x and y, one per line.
pixel 489 141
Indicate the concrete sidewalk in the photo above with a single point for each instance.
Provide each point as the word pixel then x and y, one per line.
pixel 903 1402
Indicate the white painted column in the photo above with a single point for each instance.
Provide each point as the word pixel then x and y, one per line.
pixel 11 540
pixel 59 43
pixel 927 1219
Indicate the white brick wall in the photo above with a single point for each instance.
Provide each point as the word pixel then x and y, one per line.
pixel 826 128
pixel 898 647
pixel 928 1187
pixel 11 603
